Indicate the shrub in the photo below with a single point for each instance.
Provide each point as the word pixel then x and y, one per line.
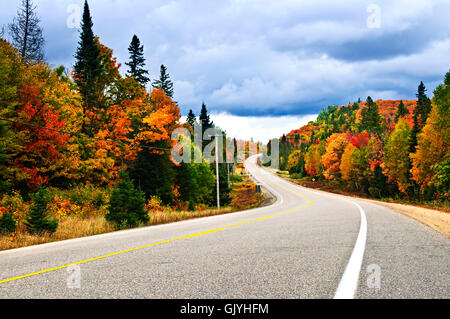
pixel 154 204
pixel 37 221
pixel 16 206
pixel 7 222
pixel 126 205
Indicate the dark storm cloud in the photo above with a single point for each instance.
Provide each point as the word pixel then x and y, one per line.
pixel 261 57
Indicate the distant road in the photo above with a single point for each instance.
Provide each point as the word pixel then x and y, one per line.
pixel 308 244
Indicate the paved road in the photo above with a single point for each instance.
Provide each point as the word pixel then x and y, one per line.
pixel 305 245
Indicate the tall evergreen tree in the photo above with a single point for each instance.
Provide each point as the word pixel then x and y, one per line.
pixel 371 118
pixel 26 33
pixel 164 82
pixel 421 112
pixel 204 118
pixel 401 111
pixel 87 68
pixel 423 105
pixel 206 123
pixel 137 62
pixel 191 119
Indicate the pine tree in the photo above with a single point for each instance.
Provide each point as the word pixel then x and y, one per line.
pixel 26 34
pixel 371 118
pixel 87 68
pixel 37 221
pixel 137 62
pixel 423 104
pixel 421 112
pixel 447 78
pixel 7 223
pixel 164 82
pixel 191 119
pixel 127 204
pixel 205 122
pixel 401 111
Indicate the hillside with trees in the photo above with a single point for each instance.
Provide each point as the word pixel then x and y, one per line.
pixel 382 149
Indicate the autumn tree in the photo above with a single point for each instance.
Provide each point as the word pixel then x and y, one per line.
pixel 331 160
pixel 26 33
pixel 433 148
pixel 164 82
pixel 313 164
pixel 396 157
pixel 137 62
pixel 153 171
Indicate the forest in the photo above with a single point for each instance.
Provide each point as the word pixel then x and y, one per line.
pixel 91 145
pixel 383 149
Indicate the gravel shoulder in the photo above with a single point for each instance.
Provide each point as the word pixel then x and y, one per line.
pixel 436 219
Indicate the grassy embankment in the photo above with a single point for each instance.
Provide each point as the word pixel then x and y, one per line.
pixel 80 225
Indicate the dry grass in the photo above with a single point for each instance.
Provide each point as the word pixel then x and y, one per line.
pixel 243 196
pixel 70 227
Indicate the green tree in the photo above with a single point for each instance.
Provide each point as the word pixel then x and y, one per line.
pixel 371 120
pixel 87 68
pixel 196 181
pixel 7 223
pixel 421 112
pixel 205 122
pixel 37 221
pixel 164 82
pixel 154 174
pixel 296 163
pixel 401 111
pixel 191 119
pixel 127 204
pixel 137 62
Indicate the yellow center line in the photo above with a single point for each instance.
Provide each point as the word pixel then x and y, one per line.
pixel 164 241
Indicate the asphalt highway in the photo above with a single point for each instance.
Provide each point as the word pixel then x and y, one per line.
pixel 308 244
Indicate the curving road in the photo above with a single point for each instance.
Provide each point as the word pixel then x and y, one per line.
pixel 308 244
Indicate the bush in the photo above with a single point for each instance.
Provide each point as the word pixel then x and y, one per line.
pixel 16 206
pixel 126 205
pixel 7 222
pixel 235 178
pixel 37 221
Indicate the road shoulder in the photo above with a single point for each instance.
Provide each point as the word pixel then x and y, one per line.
pixel 435 219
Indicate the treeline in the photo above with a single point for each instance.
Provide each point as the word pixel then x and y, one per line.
pixel 385 148
pixel 90 138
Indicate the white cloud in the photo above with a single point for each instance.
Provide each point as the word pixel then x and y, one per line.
pixel 259 128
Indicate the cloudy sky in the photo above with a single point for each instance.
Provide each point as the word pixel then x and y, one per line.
pixel 254 60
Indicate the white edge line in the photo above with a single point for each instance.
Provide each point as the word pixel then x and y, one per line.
pixel 349 282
